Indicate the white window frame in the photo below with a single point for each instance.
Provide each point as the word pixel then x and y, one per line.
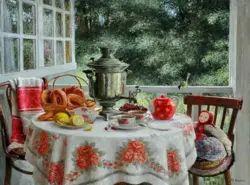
pixel 40 70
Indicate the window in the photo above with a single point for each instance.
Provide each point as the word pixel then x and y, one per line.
pixel 162 40
pixel 36 37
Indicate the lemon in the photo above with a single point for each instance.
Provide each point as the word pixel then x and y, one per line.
pixel 62 118
pixel 88 128
pixel 61 123
pixel 76 120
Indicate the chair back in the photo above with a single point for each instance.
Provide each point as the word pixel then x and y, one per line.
pixel 4 129
pixel 225 110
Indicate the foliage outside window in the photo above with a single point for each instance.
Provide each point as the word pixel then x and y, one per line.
pixel 35 34
pixel 162 40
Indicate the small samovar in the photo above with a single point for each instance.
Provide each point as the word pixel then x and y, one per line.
pixel 107 81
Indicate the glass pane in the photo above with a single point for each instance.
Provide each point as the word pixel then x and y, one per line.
pixel 29 54
pixel 67 4
pixel 48 2
pixel 59 3
pixel 29 19
pixel 48 23
pixel 68 52
pixel 11 23
pixel 11 55
pixel 48 53
pixel 1 50
pixel 59 53
pixel 67 25
pixel 59 24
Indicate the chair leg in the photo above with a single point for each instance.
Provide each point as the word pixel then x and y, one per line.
pixel 227 177
pixel 7 179
pixel 195 180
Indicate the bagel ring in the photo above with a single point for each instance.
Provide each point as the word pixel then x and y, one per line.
pixel 65 89
pixel 46 116
pixel 45 96
pixel 79 92
pixel 90 103
pixel 58 96
pixel 74 100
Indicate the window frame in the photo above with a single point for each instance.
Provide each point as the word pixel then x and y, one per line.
pixel 40 69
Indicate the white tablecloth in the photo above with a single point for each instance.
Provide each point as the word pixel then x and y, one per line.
pixel 61 156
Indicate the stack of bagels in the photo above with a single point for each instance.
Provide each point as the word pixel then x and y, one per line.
pixel 63 100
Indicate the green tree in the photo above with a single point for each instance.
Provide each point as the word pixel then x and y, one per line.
pixel 162 40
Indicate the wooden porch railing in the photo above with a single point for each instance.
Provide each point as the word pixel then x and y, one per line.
pixel 173 89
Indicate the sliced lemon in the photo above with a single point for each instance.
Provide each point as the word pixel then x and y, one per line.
pixel 76 120
pixel 61 123
pixel 88 128
pixel 62 118
pixel 88 121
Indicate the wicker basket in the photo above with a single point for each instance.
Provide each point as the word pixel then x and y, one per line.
pixel 48 107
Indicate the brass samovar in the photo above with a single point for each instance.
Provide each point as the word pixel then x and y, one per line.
pixel 107 81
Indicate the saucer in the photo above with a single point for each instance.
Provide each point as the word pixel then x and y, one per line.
pixel 159 124
pixel 134 127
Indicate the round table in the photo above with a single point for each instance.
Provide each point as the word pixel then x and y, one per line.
pixel 161 154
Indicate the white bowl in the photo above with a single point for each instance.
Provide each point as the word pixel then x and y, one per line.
pixel 89 115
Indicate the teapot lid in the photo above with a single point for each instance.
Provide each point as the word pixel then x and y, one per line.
pixel 107 62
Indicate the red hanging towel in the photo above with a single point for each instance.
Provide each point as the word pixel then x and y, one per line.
pixel 26 101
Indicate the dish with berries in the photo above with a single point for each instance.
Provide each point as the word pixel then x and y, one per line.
pixel 129 106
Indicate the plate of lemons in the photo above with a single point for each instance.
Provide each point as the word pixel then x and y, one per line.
pixel 71 122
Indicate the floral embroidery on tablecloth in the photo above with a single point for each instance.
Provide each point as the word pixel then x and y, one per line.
pixel 87 157
pixel 72 176
pixel 187 128
pixel 113 165
pixel 56 174
pixel 134 152
pixel 43 143
pixel 157 167
pixel 43 147
pixel 173 162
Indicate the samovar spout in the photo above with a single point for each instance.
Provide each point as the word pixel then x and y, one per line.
pixel 131 99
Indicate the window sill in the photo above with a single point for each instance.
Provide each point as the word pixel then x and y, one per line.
pixel 41 72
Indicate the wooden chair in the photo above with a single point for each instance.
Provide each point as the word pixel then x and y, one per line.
pixel 10 157
pixel 205 103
